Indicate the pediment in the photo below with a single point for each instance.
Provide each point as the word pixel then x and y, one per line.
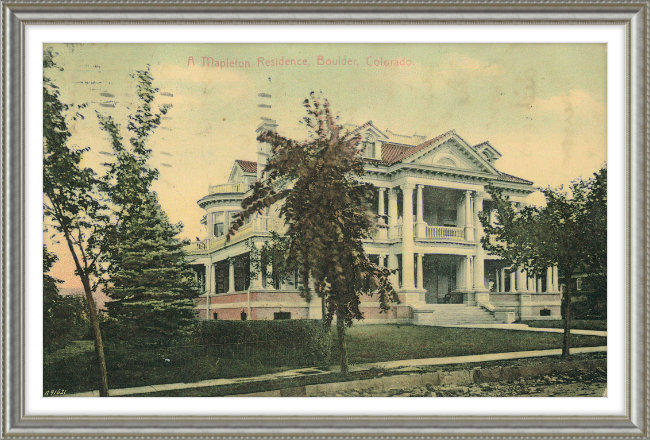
pixel 452 153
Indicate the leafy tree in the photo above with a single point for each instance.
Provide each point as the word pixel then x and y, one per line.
pixel 563 233
pixel 74 203
pixel 64 318
pixel 327 215
pixel 149 281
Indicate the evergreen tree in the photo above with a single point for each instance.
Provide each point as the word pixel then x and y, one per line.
pixel 149 281
pixel 326 210
pixel 151 285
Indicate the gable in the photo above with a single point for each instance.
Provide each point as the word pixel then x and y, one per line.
pixel 452 152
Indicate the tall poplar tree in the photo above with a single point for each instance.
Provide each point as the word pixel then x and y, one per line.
pixel 326 209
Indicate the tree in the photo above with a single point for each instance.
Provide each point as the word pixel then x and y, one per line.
pixel 326 210
pixel 149 281
pixel 74 203
pixel 151 285
pixel 64 318
pixel 563 233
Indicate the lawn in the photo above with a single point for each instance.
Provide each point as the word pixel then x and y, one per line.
pixel 379 343
pixel 581 324
pixel 73 369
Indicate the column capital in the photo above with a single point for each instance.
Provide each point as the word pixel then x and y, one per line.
pixel 407 186
pixel 419 185
pixel 381 189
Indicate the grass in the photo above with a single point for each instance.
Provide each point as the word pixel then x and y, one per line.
pixel 380 343
pixel 73 368
pixel 578 324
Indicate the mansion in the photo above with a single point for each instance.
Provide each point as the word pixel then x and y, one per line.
pixel 429 195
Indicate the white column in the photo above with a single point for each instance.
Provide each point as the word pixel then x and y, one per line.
pixel 531 283
pixel 380 203
pixel 549 279
pixel 468 273
pixel 420 225
pixel 556 281
pixel 420 272
pixel 392 213
pixel 479 259
pixel 407 237
pixel 231 275
pixel 539 283
pixel 513 285
pixel 503 280
pixel 521 280
pixel 496 281
pixel 469 228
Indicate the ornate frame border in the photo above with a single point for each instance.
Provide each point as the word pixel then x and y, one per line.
pixel 635 15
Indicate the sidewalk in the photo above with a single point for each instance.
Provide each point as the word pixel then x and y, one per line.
pixel 302 372
pixel 526 328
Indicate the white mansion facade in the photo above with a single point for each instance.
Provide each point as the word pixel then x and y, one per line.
pixel 430 192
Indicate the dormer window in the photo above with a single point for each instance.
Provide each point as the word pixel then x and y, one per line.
pixel 369 146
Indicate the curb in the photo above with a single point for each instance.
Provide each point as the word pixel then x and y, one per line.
pixel 457 377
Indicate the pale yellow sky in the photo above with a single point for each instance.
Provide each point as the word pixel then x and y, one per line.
pixel 543 106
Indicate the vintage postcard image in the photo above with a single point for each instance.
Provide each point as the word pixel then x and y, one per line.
pixel 423 220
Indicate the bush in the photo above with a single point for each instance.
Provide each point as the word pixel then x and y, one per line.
pixel 308 340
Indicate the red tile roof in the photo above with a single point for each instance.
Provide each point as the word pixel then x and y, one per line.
pixel 390 151
pixel 511 178
pixel 247 166
pixel 394 157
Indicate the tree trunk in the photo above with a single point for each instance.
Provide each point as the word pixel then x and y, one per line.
pixel 94 321
pixel 323 309
pixel 343 349
pixel 566 299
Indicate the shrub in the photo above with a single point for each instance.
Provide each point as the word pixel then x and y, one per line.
pixel 306 341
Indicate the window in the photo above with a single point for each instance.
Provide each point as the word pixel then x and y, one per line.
pixel 222 273
pixel 215 316
pixel 281 315
pixel 243 315
pixel 218 229
pixel 368 146
pixel 545 312
pixel 242 272
pixel 578 283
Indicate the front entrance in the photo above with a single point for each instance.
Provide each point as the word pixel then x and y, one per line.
pixel 439 279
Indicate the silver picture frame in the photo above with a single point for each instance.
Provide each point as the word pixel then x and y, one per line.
pixel 17 15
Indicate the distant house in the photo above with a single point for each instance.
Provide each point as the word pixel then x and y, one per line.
pixel 430 191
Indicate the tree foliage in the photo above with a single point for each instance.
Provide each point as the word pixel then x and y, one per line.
pixel 570 232
pixel 74 202
pixel 149 281
pixel 326 210
pixel 65 318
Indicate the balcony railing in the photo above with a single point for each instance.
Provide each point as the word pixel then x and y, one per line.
pixel 232 187
pixel 434 232
pixel 444 232
pixel 262 225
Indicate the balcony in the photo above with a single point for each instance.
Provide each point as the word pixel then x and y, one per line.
pixel 232 187
pixel 435 232
pixel 444 233
pixel 258 226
